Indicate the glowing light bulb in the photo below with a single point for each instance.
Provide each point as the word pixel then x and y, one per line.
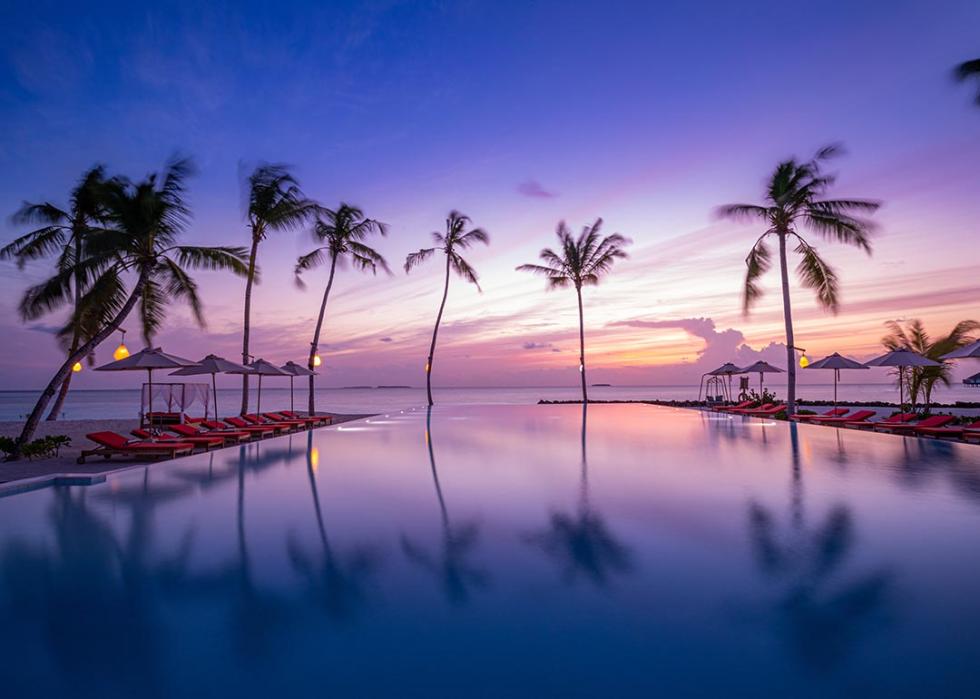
pixel 77 367
pixel 428 367
pixel 316 360
pixel 804 362
pixel 121 352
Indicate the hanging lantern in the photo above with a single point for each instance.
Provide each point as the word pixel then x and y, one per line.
pixel 316 360
pixel 121 351
pixel 77 367
pixel 804 362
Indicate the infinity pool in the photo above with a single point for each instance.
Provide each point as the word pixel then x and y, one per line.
pixel 506 551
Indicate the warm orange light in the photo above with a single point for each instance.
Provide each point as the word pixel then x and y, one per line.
pixel 77 367
pixel 121 352
pixel 316 360
pixel 428 368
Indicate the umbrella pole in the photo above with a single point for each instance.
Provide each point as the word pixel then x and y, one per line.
pixel 214 390
pixel 901 389
pixel 258 401
pixel 291 407
pixel 149 376
pixel 836 378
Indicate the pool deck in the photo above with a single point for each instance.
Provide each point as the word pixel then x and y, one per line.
pixel 23 475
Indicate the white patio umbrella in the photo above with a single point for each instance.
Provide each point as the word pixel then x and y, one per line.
pixel 761 368
pixel 836 361
pixel 147 360
pixel 901 358
pixel 212 364
pixel 294 370
pixel 261 368
pixel 972 380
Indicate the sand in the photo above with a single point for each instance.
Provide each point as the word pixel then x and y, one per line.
pixel 66 461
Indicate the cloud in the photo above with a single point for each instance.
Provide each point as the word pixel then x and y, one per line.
pixel 540 345
pixel 533 189
pixel 386 339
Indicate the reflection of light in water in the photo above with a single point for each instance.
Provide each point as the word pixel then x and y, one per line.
pixel 314 458
pixel 760 424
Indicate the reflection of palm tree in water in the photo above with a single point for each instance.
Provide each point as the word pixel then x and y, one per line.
pixel 90 600
pixel 339 581
pixel 581 542
pixel 458 542
pixel 821 615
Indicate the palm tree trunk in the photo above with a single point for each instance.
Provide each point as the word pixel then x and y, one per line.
pixel 249 280
pixel 581 345
pixel 316 333
pixel 75 339
pixel 87 348
pixel 435 332
pixel 788 319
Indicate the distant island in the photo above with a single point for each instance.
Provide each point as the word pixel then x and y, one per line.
pixel 601 385
pixel 349 388
pixel 394 386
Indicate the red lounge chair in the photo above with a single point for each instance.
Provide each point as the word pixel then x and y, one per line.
pixel 324 419
pixel 113 444
pixel 205 442
pixel 764 412
pixel 743 411
pixel 745 404
pixel 957 432
pixel 215 427
pixel 861 417
pixel 227 436
pixel 284 426
pixel 896 419
pixel 239 424
pixel 836 412
pixel 283 420
pixel 914 427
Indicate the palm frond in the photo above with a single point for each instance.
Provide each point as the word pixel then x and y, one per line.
pixel 743 212
pixel 35 245
pixel 179 285
pixel 366 258
pixel 214 258
pixel 101 302
pixel 152 310
pixel 310 260
pixel 818 275
pixel 49 295
pixel 757 263
pixel 45 213
pixel 464 270
pixel 969 70
pixel 471 237
pixel 414 259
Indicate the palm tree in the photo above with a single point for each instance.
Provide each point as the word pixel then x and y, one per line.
pixel 64 232
pixel 340 234
pixel 969 70
pixel 581 262
pixel 275 203
pixel 455 238
pixel 913 336
pixel 143 222
pixel 794 201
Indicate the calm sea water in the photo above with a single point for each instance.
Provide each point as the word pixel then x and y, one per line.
pixel 15 405
pixel 506 551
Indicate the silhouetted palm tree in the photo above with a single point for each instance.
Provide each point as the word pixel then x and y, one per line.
pixel 275 203
pixel 65 232
pixel 969 70
pixel 582 542
pixel 458 542
pixel 793 202
pixel 456 238
pixel 340 234
pixel 912 335
pixel 143 222
pixel 581 262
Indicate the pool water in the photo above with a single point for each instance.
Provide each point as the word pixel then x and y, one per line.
pixel 625 550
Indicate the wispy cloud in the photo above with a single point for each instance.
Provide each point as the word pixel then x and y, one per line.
pixel 534 190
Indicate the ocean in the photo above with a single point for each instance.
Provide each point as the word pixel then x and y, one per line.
pixel 108 404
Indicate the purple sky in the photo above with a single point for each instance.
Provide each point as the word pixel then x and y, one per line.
pixel 518 114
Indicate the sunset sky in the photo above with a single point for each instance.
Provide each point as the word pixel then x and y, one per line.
pixel 519 114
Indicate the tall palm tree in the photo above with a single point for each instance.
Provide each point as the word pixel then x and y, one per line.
pixel 912 335
pixel 63 232
pixel 456 238
pixel 793 202
pixel 275 203
pixel 580 262
pixel 143 223
pixel 969 70
pixel 340 234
